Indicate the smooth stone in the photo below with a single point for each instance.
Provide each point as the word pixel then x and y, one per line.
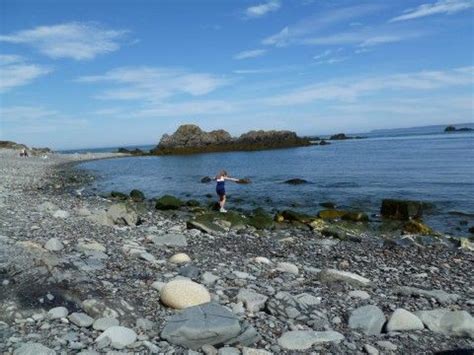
pixel 228 351
pixel 105 323
pixel 262 260
pixel 33 349
pixel 371 350
pixel 196 326
pixel 305 339
pixel 402 320
pixel 370 319
pixel 387 345
pixel 169 240
pixel 252 300
pixel 81 319
pixel 54 244
pixel 288 268
pixel 209 278
pixel 119 337
pixel 61 214
pixel 432 319
pixel 359 294
pixel 180 258
pixel 253 351
pixel 457 323
pixel 181 294
pixel 331 275
pixel 58 312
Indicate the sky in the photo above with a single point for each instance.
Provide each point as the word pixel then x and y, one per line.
pixel 78 74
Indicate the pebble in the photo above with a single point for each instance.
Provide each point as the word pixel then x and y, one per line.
pixel 81 319
pixel 180 258
pixel 105 323
pixel 118 336
pixel 54 244
pixel 359 294
pixel 58 312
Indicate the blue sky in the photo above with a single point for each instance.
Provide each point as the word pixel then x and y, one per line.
pixel 111 73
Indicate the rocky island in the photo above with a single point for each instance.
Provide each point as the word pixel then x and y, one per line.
pixel 453 129
pixel 190 139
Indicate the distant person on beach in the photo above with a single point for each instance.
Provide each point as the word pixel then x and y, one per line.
pixel 221 177
pixel 24 153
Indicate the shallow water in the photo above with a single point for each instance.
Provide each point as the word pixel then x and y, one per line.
pixel 354 174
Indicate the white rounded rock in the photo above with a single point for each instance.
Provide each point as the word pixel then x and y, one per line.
pixel 54 244
pixel 401 320
pixel 120 337
pixel 181 294
pixel 105 323
pixel 180 258
pixel 58 312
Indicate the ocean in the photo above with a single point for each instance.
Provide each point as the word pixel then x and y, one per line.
pixel 354 174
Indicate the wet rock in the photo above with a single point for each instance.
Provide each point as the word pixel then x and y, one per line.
pixel 33 349
pixel 168 202
pixel 118 336
pixel 206 180
pixel 181 294
pixel 81 319
pixel 416 227
pixel 180 258
pixel 440 295
pixel 293 216
pixel 369 319
pixel 137 195
pixel 296 181
pixel 333 275
pixel 253 301
pixel 401 209
pixel 331 214
pixel 118 195
pixel 196 326
pixel 328 205
pixel 58 312
pixel 169 240
pixel 402 320
pixel 54 244
pixel 305 339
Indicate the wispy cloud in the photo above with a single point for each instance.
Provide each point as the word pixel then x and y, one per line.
pixel 330 56
pixel 76 40
pixel 15 71
pixel 447 7
pixel 250 54
pixel 262 9
pixel 154 84
pixel 293 34
pixel 349 90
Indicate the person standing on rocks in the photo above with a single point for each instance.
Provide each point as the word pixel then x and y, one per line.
pixel 221 177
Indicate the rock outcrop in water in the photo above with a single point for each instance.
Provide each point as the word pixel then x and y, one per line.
pixel 450 129
pixel 189 139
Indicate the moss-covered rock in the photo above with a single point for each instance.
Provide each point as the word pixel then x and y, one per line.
pixel 168 202
pixel 118 195
pixel 137 195
pixel 417 227
pixel 293 216
pixel 331 214
pixel 192 203
pixel 318 224
pixel 260 219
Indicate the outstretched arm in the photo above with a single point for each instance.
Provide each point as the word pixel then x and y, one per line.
pixel 231 179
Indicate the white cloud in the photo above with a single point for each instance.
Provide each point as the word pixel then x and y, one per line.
pixel 15 71
pixel 349 90
pixel 447 7
pixel 262 9
pixel 76 40
pixel 293 34
pixel 324 54
pixel 25 113
pixel 250 54
pixel 154 84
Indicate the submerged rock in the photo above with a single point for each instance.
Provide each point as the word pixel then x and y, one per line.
pixel 296 181
pixel 416 227
pixel 401 209
pixel 206 180
pixel 137 195
pixel 118 195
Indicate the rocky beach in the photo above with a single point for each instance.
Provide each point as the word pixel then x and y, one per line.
pixel 126 274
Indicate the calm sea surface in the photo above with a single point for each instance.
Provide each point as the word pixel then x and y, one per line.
pixel 355 174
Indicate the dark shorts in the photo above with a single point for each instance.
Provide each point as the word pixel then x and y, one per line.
pixel 220 191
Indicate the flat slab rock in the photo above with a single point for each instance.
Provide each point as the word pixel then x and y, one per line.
pixel 33 349
pixel 332 275
pixel 196 326
pixel 305 339
pixel 440 295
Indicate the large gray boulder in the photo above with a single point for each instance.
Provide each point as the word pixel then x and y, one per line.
pixel 208 323
pixel 369 319
pixel 457 323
